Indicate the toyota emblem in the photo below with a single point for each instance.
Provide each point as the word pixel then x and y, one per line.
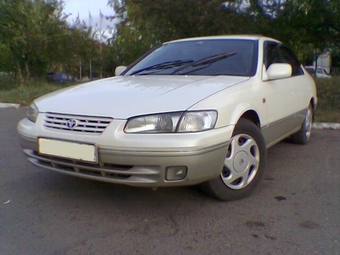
pixel 72 123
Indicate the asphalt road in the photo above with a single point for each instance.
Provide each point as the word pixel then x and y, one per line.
pixel 295 210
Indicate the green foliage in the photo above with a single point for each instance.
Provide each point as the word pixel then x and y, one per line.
pixel 329 93
pixel 328 100
pixel 25 30
pixel 24 95
pixel 35 39
pixel 304 25
pixel 310 27
pixel 7 82
pixel 144 24
pixel 159 21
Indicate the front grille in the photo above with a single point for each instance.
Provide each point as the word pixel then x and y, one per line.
pixel 115 172
pixel 74 123
pixel 107 172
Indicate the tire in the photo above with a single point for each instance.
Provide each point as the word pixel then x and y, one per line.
pixel 244 164
pixel 304 134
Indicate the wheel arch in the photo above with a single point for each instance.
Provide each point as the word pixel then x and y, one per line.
pixel 313 103
pixel 252 116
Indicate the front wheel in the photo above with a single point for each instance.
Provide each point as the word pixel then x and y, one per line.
pixel 243 165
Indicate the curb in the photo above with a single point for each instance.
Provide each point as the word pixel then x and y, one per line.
pixel 322 125
pixel 316 125
pixel 8 105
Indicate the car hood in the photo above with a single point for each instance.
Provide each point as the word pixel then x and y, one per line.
pixel 126 96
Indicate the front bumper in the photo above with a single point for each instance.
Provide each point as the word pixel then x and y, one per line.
pixel 138 165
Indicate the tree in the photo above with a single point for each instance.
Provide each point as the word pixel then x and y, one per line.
pixel 305 25
pixel 310 27
pixel 28 29
pixel 146 23
pixel 6 63
pixel 35 39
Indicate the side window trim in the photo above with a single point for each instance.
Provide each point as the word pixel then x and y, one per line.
pixel 289 57
pixel 269 54
pixel 280 55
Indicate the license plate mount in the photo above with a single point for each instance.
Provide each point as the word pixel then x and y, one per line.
pixel 68 150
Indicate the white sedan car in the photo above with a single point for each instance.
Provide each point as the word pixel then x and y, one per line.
pixel 319 73
pixel 192 111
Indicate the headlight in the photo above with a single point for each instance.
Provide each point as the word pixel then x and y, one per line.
pixel 197 121
pixel 32 113
pixel 158 123
pixel 172 122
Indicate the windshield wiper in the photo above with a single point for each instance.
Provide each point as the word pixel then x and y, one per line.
pixel 204 61
pixel 163 66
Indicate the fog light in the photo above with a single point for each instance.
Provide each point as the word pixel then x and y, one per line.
pixel 176 173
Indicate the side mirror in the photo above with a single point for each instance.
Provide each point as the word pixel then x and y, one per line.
pixel 119 70
pixel 279 71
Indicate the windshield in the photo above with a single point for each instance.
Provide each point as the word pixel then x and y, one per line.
pixel 200 57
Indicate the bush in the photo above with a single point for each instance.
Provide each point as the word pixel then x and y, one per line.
pixel 7 82
pixel 329 93
pixel 328 109
pixel 11 92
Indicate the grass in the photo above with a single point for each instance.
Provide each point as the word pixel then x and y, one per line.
pixel 10 92
pixel 328 109
pixel 322 115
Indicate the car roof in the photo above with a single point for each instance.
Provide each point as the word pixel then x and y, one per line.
pixel 221 37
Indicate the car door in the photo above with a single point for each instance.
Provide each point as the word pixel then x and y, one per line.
pixel 283 95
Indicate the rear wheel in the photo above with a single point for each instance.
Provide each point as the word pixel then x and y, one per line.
pixel 304 134
pixel 243 166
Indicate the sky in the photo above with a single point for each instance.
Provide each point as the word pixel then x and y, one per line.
pixel 84 7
